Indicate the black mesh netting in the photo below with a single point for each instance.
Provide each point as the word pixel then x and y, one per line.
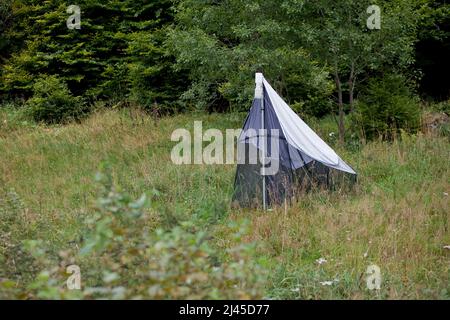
pixel 287 184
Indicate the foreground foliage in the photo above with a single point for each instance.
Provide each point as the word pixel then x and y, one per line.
pixel 127 256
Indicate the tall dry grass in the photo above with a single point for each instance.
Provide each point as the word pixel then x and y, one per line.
pixel 397 216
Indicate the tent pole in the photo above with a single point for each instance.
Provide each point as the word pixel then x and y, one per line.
pixel 264 141
pixel 259 94
pixel 264 153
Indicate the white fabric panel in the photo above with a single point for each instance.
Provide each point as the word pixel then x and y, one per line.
pixel 302 137
pixel 259 86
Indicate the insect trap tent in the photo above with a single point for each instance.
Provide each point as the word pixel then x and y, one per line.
pixel 295 158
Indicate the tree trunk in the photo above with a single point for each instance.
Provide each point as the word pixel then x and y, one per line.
pixel 341 123
pixel 350 94
pixel 351 87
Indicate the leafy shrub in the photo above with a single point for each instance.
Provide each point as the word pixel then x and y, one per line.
pixel 179 263
pixel 443 106
pixel 126 256
pixel 52 102
pixel 386 106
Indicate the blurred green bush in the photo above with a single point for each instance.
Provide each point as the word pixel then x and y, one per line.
pixel 386 106
pixel 52 102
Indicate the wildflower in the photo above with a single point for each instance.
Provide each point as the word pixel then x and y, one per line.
pixel 330 282
pixel 321 261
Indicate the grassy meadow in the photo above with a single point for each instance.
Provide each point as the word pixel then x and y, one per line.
pixel 396 217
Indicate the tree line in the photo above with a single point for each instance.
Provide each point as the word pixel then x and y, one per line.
pixel 170 56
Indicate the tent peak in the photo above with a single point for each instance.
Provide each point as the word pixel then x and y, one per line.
pixel 259 78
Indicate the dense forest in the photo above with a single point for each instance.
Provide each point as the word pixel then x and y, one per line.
pixel 172 56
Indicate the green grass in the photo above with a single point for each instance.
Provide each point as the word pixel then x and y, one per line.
pixel 397 217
